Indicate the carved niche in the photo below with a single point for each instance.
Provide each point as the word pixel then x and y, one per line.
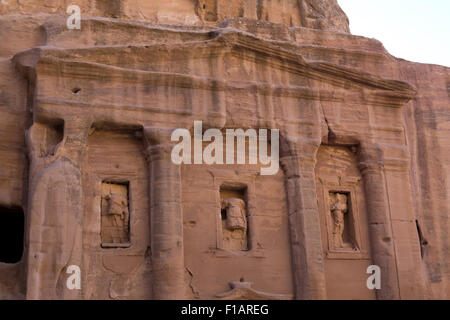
pixel 115 215
pixel 341 202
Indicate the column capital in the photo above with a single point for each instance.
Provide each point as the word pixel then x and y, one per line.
pixel 76 132
pixel 299 146
pixel 159 143
pixel 77 129
pixel 158 135
pixel 370 166
pixel 72 146
pixel 298 155
pixel 374 157
pixel 294 165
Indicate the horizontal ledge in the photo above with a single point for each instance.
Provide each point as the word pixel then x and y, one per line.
pixel 115 245
pixel 224 253
pixel 348 255
pixel 92 70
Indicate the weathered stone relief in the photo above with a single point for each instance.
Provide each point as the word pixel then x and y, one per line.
pixel 234 224
pixel 115 215
pixel 339 210
pixel 55 208
pixel 355 181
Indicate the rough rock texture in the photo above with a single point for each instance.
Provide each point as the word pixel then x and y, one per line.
pixel 365 157
pixel 320 14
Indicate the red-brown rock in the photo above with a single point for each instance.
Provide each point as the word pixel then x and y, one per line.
pixel 85 154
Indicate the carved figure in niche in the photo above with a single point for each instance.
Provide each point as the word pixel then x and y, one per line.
pixel 115 214
pixel 236 216
pixel 234 224
pixel 339 208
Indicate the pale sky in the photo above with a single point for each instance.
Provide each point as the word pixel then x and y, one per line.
pixel 415 30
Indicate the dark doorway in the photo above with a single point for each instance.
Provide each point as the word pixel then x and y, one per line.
pixel 11 234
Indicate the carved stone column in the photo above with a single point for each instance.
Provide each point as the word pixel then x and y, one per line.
pixel 380 231
pixel 392 228
pixel 166 217
pixel 55 209
pixel 304 221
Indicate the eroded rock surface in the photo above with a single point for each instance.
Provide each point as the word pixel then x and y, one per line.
pixel 85 152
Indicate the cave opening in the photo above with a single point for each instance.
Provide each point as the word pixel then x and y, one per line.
pixel 11 234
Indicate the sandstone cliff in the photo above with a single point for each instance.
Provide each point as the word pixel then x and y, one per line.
pixel 82 107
